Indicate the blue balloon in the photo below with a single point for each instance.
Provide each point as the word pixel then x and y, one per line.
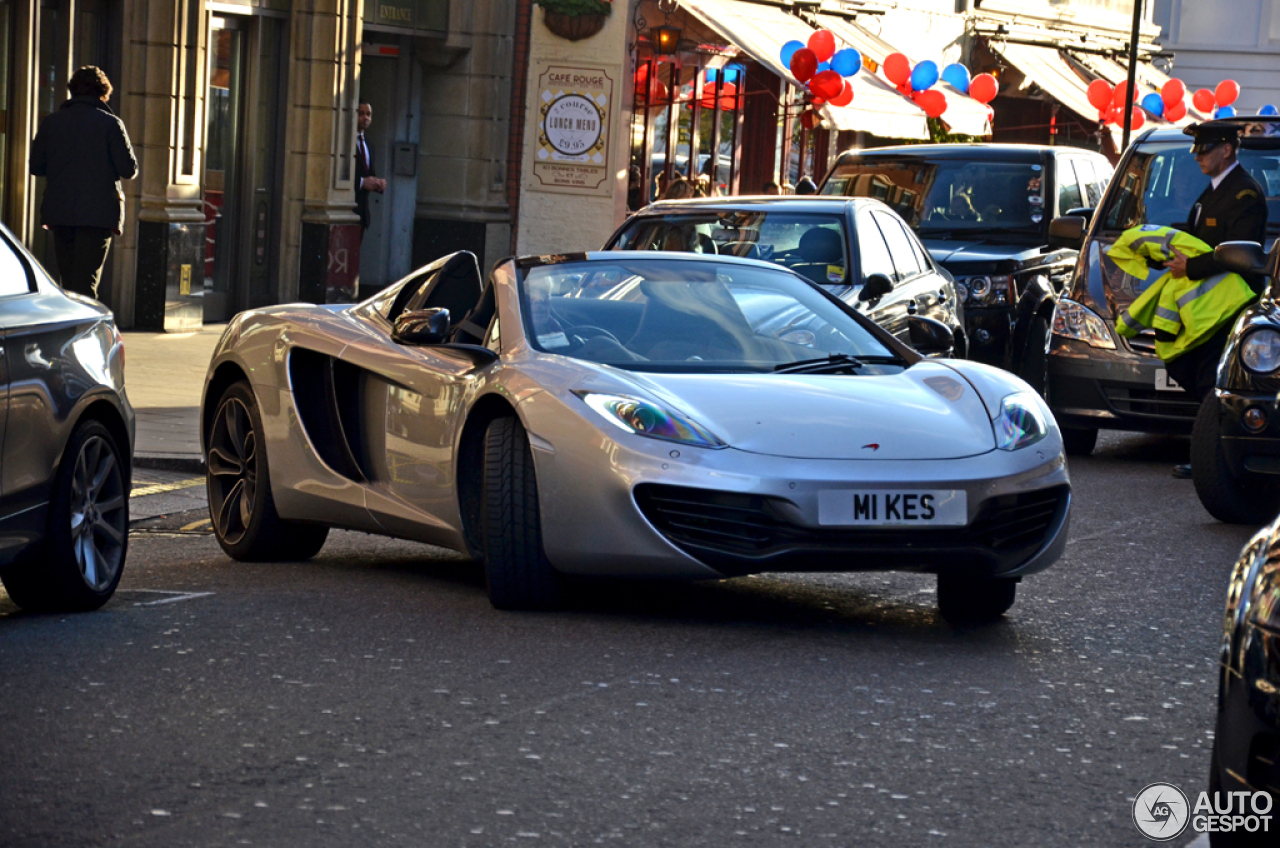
pixel 730 74
pixel 1154 104
pixel 924 75
pixel 846 62
pixel 823 66
pixel 958 76
pixel 1268 110
pixel 1225 112
pixel 788 50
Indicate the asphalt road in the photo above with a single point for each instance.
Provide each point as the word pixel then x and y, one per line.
pixel 373 697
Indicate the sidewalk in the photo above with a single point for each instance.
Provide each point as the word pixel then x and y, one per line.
pixel 164 376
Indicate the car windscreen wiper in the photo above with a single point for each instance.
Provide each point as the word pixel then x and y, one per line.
pixel 833 362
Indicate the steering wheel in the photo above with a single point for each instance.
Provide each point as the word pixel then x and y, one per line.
pixel 589 331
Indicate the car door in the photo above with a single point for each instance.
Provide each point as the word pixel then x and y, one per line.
pixel 408 398
pixel 876 247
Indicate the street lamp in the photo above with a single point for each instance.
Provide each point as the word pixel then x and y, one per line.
pixel 666 40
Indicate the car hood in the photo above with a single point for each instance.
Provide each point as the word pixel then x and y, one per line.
pixel 981 255
pixel 927 412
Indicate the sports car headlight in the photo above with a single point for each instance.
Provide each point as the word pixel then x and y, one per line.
pixel 1261 351
pixel 1020 422
pixel 1073 321
pixel 644 418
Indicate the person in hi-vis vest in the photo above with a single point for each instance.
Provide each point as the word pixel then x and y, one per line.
pixel 1232 208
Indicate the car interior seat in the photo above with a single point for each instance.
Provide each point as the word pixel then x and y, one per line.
pixel 819 249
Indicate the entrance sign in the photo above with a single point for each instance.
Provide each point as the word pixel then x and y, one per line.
pixel 575 114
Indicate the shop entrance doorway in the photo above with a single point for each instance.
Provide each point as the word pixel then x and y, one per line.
pixel 242 182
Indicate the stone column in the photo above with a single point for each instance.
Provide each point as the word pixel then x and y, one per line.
pixel 163 68
pixel 321 258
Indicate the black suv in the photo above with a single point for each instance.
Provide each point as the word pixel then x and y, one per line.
pixel 1098 379
pixel 983 211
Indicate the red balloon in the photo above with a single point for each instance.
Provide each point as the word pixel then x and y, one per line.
pixel 1172 92
pixel 1100 94
pixel 1203 100
pixel 932 101
pixel 651 89
pixel 809 119
pixel 897 68
pixel 1119 95
pixel 1226 92
pixel 1135 122
pixel 823 44
pixel 728 97
pixel 845 97
pixel 1175 112
pixel 984 88
pixel 826 84
pixel 804 64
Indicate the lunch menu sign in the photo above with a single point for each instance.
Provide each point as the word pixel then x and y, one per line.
pixel 575 110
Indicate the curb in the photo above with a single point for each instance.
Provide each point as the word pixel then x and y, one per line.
pixel 186 463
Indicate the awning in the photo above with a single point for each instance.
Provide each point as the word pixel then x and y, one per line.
pixel 1149 79
pixel 1046 67
pixel 964 114
pixel 760 31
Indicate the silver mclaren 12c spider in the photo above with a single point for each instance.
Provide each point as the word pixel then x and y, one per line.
pixel 623 414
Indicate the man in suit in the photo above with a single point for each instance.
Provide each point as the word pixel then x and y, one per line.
pixel 83 152
pixel 366 177
pixel 1232 208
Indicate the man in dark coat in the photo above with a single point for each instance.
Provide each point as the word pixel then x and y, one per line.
pixel 83 152
pixel 366 177
pixel 1232 208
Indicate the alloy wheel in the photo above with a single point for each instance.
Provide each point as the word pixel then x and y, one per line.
pixel 233 470
pixel 98 515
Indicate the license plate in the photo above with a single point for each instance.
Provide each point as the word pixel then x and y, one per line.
pixel 893 507
pixel 1164 383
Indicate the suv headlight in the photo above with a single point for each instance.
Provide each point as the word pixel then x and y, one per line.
pixel 1021 421
pixel 987 290
pixel 1260 351
pixel 644 418
pixel 1072 320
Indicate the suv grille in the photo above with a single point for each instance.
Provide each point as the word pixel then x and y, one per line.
pixel 742 534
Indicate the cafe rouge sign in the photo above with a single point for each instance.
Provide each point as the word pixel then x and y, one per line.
pixel 575 107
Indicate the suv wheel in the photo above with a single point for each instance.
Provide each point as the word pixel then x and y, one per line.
pixel 1219 491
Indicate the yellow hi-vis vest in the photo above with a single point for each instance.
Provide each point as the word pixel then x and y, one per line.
pixel 1189 311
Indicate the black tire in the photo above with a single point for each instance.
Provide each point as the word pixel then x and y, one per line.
pixel 967 600
pixel 1226 498
pixel 1079 442
pixel 1034 368
pixel 87 537
pixel 241 508
pixel 517 574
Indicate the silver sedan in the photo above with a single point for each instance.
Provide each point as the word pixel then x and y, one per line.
pixel 630 415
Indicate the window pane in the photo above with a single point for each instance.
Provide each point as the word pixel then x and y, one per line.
pixel 900 250
pixel 875 253
pixel 13 272
pixel 1068 189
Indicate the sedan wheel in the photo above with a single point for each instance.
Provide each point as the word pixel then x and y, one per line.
pixel 241 507
pixel 87 539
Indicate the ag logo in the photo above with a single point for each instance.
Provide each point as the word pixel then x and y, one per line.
pixel 1161 812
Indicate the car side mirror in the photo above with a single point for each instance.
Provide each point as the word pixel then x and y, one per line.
pixel 1243 257
pixel 875 286
pixel 929 335
pixel 1085 212
pixel 1068 231
pixel 422 327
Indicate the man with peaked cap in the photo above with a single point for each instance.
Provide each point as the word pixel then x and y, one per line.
pixel 1232 208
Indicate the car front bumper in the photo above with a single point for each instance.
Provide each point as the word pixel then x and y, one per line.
pixel 1096 388
pixel 1250 453
pixel 639 507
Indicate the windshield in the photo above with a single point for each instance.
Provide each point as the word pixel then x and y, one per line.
pixel 691 316
pixel 813 245
pixel 937 197
pixel 1162 182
